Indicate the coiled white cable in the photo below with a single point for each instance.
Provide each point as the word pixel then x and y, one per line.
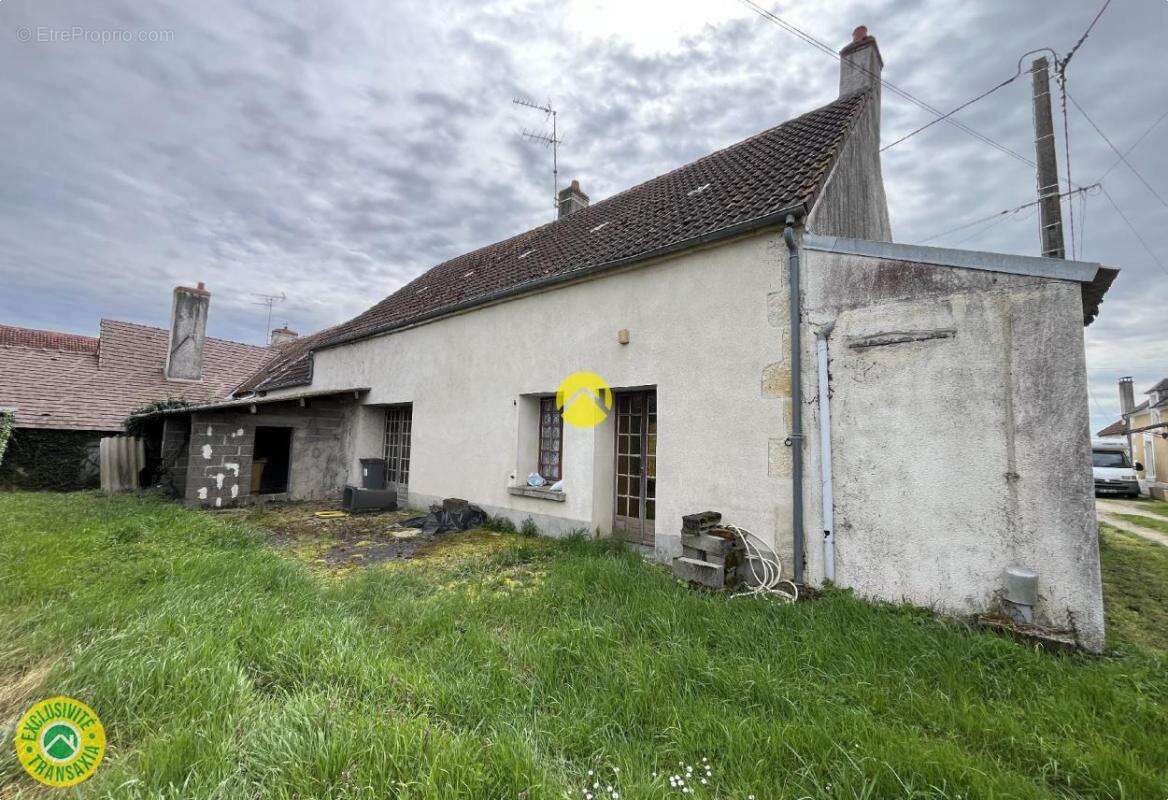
pixel 771 581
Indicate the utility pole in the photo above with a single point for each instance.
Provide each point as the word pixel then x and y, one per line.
pixel 1051 216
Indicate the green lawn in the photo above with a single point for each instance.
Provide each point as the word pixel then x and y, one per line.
pixel 223 668
pixel 1135 588
pixel 1155 506
pixel 1151 523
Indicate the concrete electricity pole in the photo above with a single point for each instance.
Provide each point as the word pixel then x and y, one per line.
pixel 1051 215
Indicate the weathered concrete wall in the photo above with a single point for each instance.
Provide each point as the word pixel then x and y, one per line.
pixel 708 330
pixel 188 333
pixel 960 453
pixel 852 202
pixel 222 448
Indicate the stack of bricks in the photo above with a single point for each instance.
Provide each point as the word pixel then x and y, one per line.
pixel 710 555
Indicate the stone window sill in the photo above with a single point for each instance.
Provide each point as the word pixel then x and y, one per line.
pixel 538 492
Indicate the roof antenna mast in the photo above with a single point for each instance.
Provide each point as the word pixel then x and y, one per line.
pixel 553 140
pixel 268 300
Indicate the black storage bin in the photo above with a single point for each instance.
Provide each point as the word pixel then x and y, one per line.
pixel 356 499
pixel 373 473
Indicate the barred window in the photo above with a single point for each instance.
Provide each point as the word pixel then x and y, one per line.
pixel 551 440
pixel 398 422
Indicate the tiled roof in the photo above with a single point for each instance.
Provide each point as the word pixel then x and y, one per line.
pixel 1114 429
pixel 70 387
pixel 28 337
pixel 772 171
pixel 1162 386
pixel 289 365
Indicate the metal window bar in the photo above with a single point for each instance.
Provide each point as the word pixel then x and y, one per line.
pixel 398 424
pixel 551 440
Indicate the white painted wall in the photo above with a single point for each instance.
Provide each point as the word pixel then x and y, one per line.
pixel 957 457
pixel 953 458
pixel 704 328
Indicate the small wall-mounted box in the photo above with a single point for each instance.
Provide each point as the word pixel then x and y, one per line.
pixel 622 336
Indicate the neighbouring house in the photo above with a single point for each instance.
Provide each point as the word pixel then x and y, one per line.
pixel 68 391
pixel 1145 426
pixel 729 304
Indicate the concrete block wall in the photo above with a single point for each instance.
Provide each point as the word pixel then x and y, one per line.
pixel 222 446
pixel 219 471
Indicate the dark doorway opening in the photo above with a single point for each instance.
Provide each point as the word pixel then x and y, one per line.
pixel 271 460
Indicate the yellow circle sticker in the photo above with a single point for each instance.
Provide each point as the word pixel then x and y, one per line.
pixel 584 399
pixel 60 741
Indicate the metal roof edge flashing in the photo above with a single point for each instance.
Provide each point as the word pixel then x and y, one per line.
pixel 1080 271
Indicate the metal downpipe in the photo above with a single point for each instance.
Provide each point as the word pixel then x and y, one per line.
pixel 795 439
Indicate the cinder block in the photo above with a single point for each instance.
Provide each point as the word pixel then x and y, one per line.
pixel 700 572
pixel 700 522
pixel 713 545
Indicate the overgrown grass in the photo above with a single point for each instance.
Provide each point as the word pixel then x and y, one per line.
pixel 1135 588
pixel 222 669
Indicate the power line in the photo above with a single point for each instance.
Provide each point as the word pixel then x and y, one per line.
pixel 1008 211
pixel 1121 156
pixel 825 48
pixel 1134 144
pixel 1017 74
pixel 1071 54
pixel 1132 227
pixel 1062 82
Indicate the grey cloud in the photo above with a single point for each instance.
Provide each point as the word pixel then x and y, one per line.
pixel 335 151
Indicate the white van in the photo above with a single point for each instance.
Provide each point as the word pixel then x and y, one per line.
pixel 1113 470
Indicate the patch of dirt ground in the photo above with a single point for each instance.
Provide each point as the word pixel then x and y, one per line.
pixel 339 543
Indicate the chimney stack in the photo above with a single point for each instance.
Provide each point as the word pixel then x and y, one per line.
pixel 188 333
pixel 284 334
pixel 1127 396
pixel 572 200
pixel 860 64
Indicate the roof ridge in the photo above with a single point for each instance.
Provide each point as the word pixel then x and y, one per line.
pixel 780 168
pixel 166 331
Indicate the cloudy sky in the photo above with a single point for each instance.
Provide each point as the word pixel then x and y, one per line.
pixel 330 151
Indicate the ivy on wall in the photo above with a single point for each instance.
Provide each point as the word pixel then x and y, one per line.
pixel 7 420
pixel 136 424
pixel 51 459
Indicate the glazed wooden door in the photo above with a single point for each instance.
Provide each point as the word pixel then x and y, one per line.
pixel 398 423
pixel 636 467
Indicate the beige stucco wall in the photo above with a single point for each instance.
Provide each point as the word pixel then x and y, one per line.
pixel 1154 476
pixel 956 456
pixel 708 330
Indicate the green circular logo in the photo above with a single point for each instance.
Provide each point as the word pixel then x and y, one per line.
pixel 60 741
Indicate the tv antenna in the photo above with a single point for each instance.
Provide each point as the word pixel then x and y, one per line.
pixel 552 141
pixel 268 300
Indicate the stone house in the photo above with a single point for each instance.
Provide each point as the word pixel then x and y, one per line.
pixel 1145 426
pixel 732 306
pixel 68 391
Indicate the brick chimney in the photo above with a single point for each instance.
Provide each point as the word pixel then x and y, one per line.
pixel 284 334
pixel 572 199
pixel 188 333
pixel 1127 395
